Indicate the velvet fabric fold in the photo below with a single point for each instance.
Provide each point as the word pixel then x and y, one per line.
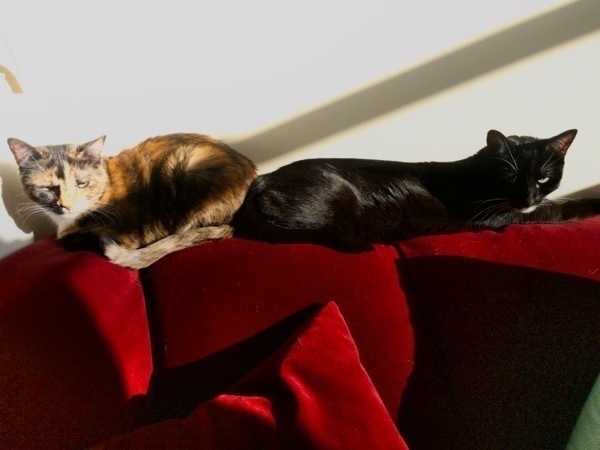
pixel 312 393
pixel 209 298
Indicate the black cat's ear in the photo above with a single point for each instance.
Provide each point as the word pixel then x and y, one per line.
pixel 497 140
pixel 562 142
pixel 22 151
pixel 91 152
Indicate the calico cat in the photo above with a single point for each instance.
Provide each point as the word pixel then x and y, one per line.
pixel 350 204
pixel 166 193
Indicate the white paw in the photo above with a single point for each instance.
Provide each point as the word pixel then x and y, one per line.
pixel 120 255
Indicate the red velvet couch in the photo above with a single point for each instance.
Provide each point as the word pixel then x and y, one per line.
pixel 468 341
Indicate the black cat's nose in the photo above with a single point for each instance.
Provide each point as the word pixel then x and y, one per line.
pixel 523 203
pixel 528 203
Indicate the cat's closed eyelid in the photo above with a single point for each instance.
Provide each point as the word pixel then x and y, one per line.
pixel 50 190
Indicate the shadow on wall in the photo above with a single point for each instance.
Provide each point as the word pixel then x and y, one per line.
pixel 589 192
pixel 16 203
pixel 467 63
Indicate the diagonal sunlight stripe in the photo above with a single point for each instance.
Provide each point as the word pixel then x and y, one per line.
pixel 471 61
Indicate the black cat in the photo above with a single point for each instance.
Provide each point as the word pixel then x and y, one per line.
pixel 350 203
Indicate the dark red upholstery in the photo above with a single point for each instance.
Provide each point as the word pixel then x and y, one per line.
pixel 507 342
pixel 211 297
pixel 570 248
pixel 473 340
pixel 296 399
pixel 74 349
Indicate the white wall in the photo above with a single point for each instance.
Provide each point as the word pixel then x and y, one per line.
pixel 257 73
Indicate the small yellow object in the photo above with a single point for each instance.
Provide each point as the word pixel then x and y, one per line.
pixel 11 79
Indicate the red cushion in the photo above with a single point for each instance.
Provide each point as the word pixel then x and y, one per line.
pixel 312 393
pixel 570 248
pixel 74 348
pixel 507 342
pixel 212 300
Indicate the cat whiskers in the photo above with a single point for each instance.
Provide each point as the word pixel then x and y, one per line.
pixel 487 209
pixel 514 160
pixel 106 214
pixel 514 166
pixel 562 199
pixel 31 211
pixel 549 164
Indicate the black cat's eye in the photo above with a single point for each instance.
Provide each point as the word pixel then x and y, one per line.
pixel 543 180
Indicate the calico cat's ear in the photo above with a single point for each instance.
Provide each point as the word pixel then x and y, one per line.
pixel 22 151
pixel 562 142
pixel 91 152
pixel 497 140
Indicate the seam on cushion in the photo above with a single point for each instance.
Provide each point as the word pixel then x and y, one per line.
pixel 158 344
pixel 421 331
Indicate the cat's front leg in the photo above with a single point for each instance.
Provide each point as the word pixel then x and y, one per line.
pixel 82 241
pixel 74 237
pixel 65 229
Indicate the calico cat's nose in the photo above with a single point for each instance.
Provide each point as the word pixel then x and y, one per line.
pixel 62 208
pixel 66 202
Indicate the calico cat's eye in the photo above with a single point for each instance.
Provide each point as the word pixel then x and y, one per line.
pixel 82 183
pixel 543 180
pixel 50 190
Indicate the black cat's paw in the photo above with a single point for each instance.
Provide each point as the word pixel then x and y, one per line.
pixel 82 242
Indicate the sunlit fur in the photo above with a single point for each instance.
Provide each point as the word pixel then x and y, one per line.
pixel 164 194
pixel 351 203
